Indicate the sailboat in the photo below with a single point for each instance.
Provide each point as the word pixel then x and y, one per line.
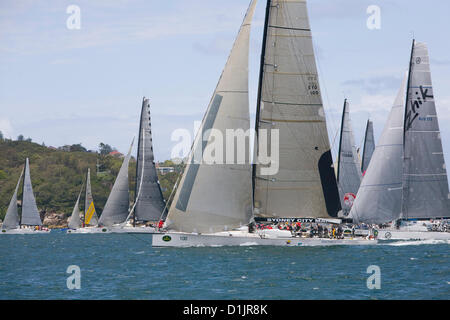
pixel 149 204
pixel 213 203
pixel 30 221
pixel 89 221
pixel 406 181
pixel 348 170
pixel 369 147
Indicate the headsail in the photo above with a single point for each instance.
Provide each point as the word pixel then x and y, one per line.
pixel 426 191
pixel 369 147
pixel 380 196
pixel 90 216
pixel 30 213
pixel 74 220
pixel 12 215
pixel 118 203
pixel 349 174
pixel 217 196
pixel 148 196
pixel 290 100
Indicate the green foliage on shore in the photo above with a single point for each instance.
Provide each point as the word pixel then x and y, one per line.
pixel 57 176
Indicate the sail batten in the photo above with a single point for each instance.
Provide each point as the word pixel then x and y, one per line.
pixel 30 213
pixel 117 205
pixel 217 196
pixel 289 100
pixel 12 219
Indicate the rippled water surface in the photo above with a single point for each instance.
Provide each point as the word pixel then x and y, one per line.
pixel 121 266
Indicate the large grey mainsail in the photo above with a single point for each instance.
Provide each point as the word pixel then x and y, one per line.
pixel 380 196
pixel 90 215
pixel 148 196
pixel 30 213
pixel 217 196
pixel 426 191
pixel 12 219
pixel 118 203
pixel 349 174
pixel 369 146
pixel 74 220
pixel 290 100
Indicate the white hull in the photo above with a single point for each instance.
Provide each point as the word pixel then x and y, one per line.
pixel 24 231
pixel 130 229
pixel 393 234
pixel 175 239
pixel 89 230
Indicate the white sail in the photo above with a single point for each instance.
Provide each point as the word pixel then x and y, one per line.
pixel 426 191
pixel 30 213
pixel 216 197
pixel 369 146
pixel 12 218
pixel 290 101
pixel 349 173
pixel 90 215
pixel 380 195
pixel 117 205
pixel 74 220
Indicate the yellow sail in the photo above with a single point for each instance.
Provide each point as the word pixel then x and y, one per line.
pixel 89 213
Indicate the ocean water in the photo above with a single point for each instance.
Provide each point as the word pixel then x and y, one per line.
pixel 121 266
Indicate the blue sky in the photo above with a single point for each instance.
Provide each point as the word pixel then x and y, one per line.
pixel 66 86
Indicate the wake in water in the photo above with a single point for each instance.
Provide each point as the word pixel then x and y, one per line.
pixel 416 242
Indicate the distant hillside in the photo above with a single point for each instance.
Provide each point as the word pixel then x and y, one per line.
pixel 57 176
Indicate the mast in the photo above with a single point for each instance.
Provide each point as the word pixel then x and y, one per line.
pixel 340 142
pixel 258 103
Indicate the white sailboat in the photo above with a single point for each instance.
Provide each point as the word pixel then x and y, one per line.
pixel 30 221
pixel 349 174
pixel 213 204
pixel 149 204
pixel 406 181
pixel 89 221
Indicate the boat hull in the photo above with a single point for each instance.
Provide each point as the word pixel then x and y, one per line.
pixel 24 231
pixel 88 230
pixel 174 239
pixel 412 235
pixel 134 230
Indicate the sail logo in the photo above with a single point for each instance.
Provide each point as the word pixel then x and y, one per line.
pixel 420 97
pixel 90 213
pixel 349 199
pixel 166 238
